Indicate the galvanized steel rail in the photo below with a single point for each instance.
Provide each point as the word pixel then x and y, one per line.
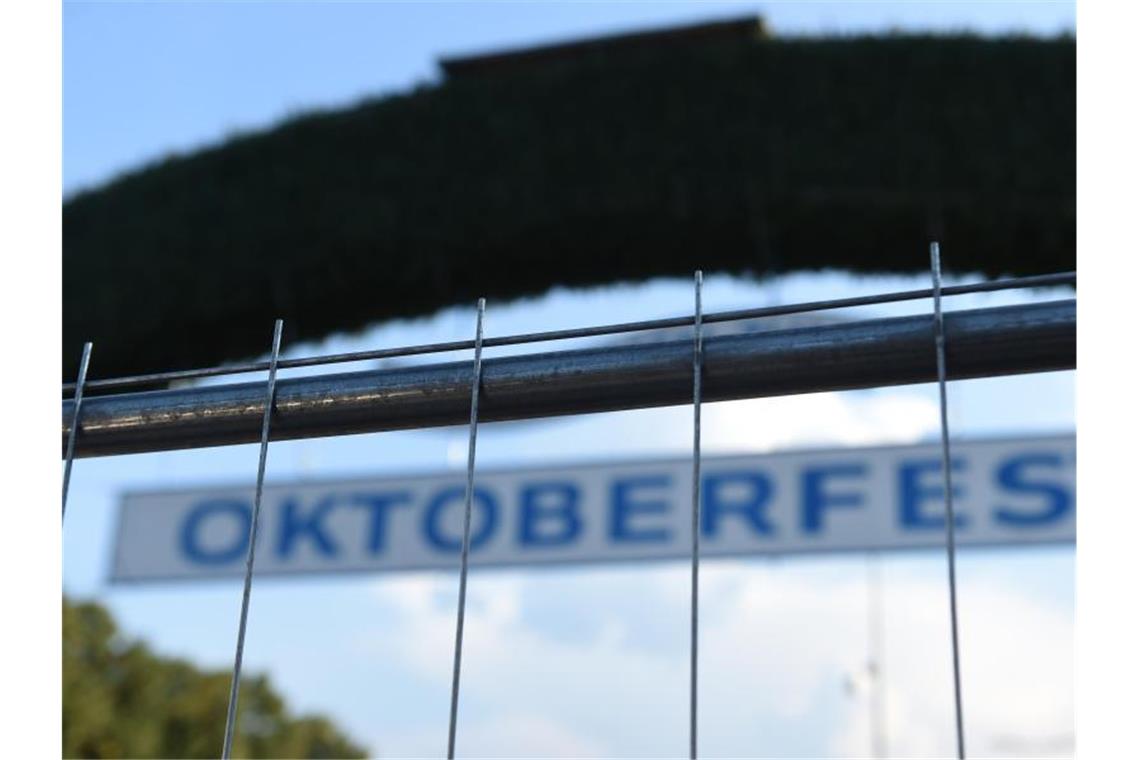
pixel 981 342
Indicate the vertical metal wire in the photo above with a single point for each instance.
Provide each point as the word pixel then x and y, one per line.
pixel 84 360
pixel 235 684
pixel 876 665
pixel 948 496
pixel 698 351
pixel 477 377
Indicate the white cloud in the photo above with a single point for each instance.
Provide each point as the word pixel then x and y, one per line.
pixel 859 418
pixel 512 733
pixel 1017 675
pixel 522 733
pixel 777 642
pixel 776 645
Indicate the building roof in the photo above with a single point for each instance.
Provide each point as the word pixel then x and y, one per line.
pixel 744 29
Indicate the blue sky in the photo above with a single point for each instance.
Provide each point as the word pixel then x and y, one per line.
pixel 587 662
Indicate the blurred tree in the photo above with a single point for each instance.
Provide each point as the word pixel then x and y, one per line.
pixel 122 700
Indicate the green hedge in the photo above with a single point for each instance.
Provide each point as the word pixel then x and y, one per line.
pixel 772 156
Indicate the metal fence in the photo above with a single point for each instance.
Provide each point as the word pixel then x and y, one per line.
pixel 123 415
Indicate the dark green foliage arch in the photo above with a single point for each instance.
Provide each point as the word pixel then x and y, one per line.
pixel 755 158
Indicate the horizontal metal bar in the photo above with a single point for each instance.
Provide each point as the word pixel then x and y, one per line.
pixel 981 342
pixel 1034 281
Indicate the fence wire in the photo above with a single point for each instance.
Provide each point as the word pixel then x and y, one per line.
pixel 994 341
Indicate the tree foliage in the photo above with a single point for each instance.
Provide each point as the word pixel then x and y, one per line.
pixel 122 700
pixel 754 158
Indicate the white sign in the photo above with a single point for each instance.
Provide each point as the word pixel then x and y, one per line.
pixel 1006 492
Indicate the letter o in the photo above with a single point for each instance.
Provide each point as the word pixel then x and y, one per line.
pixel 237 510
pixel 480 498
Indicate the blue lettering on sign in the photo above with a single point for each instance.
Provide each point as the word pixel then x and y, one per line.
pixel 378 505
pixel 296 525
pixel 551 504
pixel 1058 501
pixel 625 504
pixel 715 503
pixel 914 492
pixel 816 498
pixel 234 509
pixel 484 500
